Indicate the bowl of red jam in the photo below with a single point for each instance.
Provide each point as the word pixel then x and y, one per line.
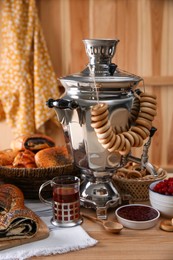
pixel 137 216
pixel 161 196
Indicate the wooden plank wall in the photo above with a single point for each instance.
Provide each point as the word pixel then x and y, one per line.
pixel 145 31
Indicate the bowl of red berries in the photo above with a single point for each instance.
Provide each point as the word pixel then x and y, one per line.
pixel 161 196
pixel 137 216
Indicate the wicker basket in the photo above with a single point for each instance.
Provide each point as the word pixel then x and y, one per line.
pixel 30 180
pixel 138 189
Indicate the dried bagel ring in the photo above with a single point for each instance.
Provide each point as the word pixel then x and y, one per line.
pixel 148 177
pixel 99 109
pixel 133 115
pixel 105 140
pixel 110 142
pixel 136 100
pixel 134 112
pixel 161 172
pixel 149 111
pixel 148 99
pixel 136 103
pixel 135 137
pixel 143 172
pixel 146 120
pixel 120 174
pixel 148 104
pixel 139 131
pixel 140 141
pixel 116 144
pixel 100 116
pixel 102 128
pixel 134 175
pixel 135 109
pixel 144 94
pixel 145 116
pixel 106 133
pixel 166 225
pixel 98 124
pixel 129 137
pixel 143 123
pixel 136 106
pixel 124 170
pixel 126 149
pixel 122 143
pixel 144 129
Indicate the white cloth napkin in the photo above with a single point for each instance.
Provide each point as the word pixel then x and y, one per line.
pixel 60 240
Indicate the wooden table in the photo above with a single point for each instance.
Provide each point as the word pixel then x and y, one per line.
pixel 150 244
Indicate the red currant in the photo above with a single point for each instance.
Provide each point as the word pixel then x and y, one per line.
pixel 164 187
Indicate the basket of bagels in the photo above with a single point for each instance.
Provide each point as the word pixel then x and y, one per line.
pixel 133 181
pixel 33 159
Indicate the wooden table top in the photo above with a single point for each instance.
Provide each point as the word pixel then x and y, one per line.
pixel 149 244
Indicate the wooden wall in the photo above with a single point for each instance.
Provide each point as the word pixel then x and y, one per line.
pixel 145 31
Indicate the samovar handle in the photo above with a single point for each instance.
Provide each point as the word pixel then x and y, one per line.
pixel 62 103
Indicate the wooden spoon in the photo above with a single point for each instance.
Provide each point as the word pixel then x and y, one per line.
pixel 110 226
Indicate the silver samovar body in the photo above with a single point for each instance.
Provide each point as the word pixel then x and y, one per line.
pixel 101 81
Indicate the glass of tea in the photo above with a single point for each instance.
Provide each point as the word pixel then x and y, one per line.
pixel 65 201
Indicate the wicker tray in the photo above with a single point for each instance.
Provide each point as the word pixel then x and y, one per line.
pixel 138 189
pixel 30 180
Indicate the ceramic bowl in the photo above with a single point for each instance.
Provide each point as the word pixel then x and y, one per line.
pixel 164 203
pixel 137 216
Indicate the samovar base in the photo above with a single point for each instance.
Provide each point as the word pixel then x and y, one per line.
pixel 100 194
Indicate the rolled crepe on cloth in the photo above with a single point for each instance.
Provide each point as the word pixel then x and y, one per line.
pixel 27 78
pixel 16 220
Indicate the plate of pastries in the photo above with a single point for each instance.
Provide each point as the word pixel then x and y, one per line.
pixel 33 159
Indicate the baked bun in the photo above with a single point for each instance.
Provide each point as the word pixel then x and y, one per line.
pixel 24 159
pixel 7 157
pixel 33 142
pixel 52 157
pixel 16 220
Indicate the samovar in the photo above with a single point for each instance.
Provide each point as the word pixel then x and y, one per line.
pixel 100 82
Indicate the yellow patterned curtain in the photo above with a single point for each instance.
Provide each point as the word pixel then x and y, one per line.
pixel 27 79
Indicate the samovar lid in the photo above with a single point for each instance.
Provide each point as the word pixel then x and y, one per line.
pixel 100 67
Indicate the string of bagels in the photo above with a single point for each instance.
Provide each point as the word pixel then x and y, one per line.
pixel 142 114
